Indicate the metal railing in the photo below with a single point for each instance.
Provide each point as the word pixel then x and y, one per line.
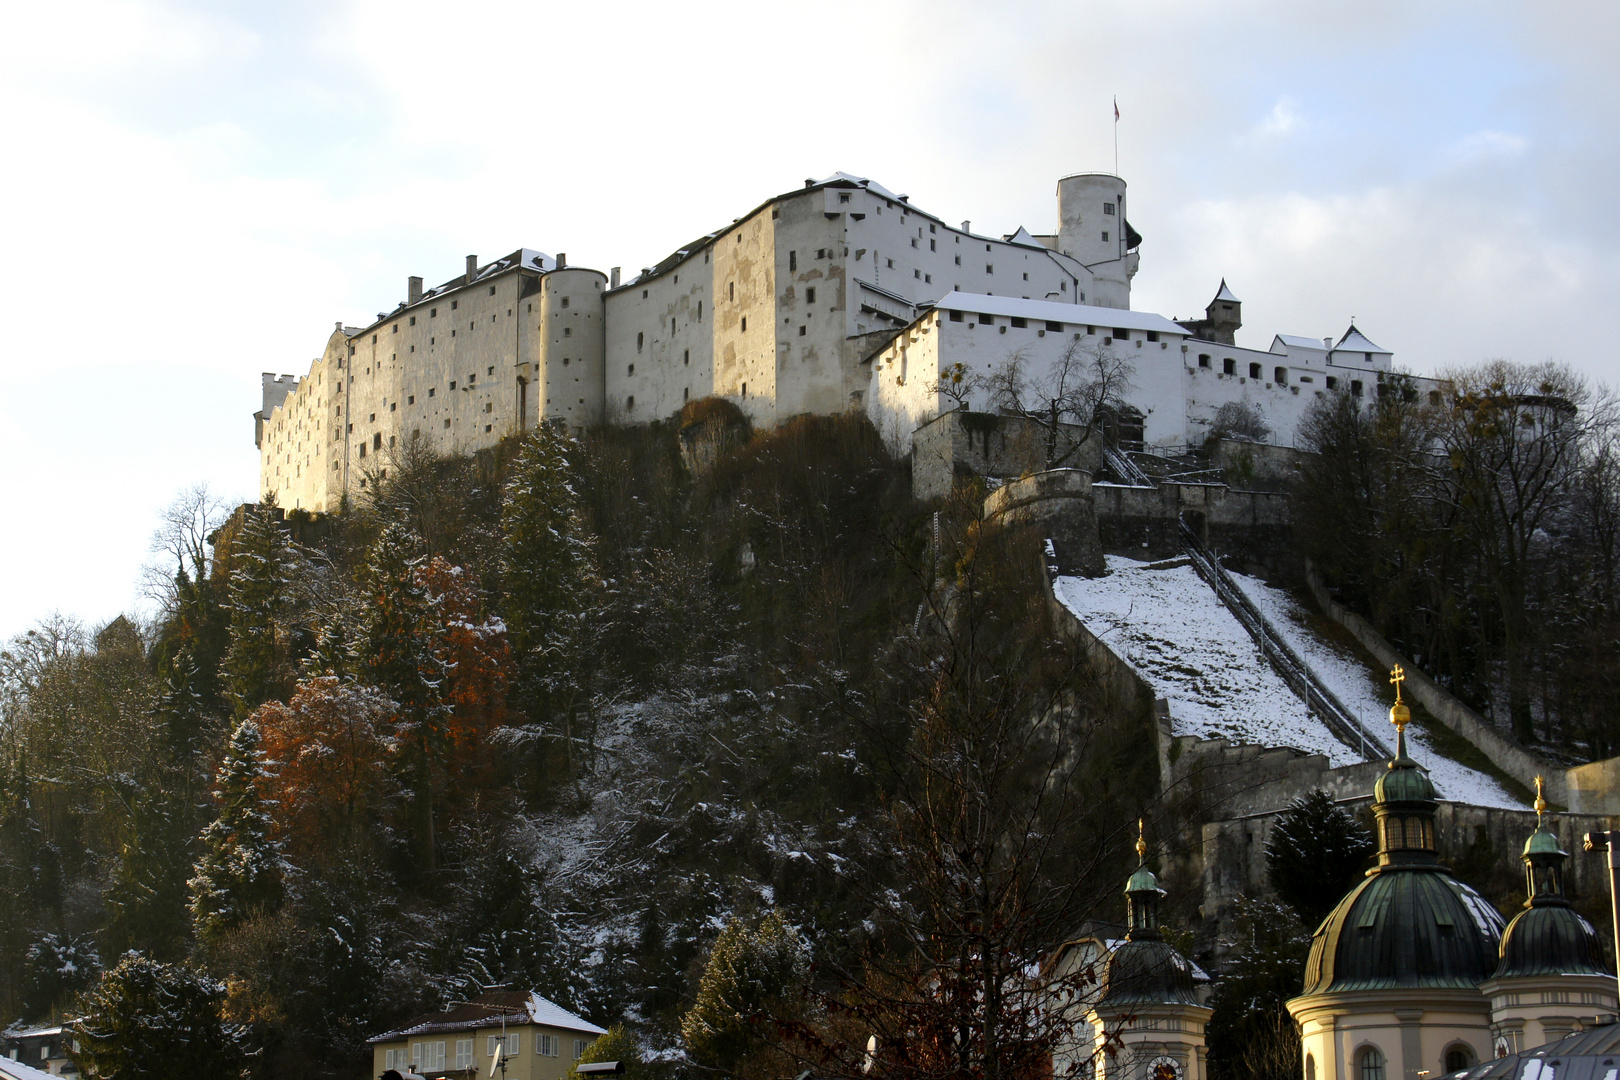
pixel 1288 664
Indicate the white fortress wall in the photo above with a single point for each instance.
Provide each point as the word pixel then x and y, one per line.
pixel 983 332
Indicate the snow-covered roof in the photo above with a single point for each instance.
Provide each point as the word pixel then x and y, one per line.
pixel 33 1031
pixel 860 181
pixel 1226 294
pixel 16 1070
pixel 1086 314
pixel 1355 341
pixel 504 1007
pixel 1294 341
pixel 1023 238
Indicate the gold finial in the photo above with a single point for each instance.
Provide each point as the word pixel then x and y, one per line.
pixel 1141 841
pixel 1399 714
pixel 1541 803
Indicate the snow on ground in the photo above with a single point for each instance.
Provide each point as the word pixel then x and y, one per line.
pixel 1368 695
pixel 1173 630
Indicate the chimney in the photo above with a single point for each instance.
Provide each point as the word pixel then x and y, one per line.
pixel 339 324
pixel 1327 343
pixel 613 278
pixel 413 290
pixel 472 268
pixel 562 260
pixel 809 182
pixel 967 226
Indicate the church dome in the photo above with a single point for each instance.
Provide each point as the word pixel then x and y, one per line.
pixel 1405 927
pixel 1548 937
pixel 1409 924
pixel 1550 940
pixel 1148 972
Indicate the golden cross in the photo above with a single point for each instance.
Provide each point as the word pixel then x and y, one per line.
pixel 1541 803
pixel 1141 840
pixel 1396 677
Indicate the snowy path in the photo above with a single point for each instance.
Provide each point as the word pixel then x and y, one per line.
pixel 1368 695
pixel 1169 625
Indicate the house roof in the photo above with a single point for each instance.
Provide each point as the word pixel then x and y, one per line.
pixel 1355 341
pixel 1294 341
pixel 16 1070
pixel 1226 294
pixel 1023 238
pixel 493 1010
pixel 1086 314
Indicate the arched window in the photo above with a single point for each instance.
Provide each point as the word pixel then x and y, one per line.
pixel 1458 1056
pixel 1310 1067
pixel 1372 1064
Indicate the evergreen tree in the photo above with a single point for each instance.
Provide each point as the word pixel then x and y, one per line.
pixel 147 1020
pixel 751 974
pixel 1316 852
pixel 147 901
pixel 1251 1036
pixel 553 594
pixel 56 969
pixel 261 560
pixel 240 871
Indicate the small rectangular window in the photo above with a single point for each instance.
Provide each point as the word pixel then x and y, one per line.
pixel 1254 371
pixel 454 304
pixel 452 384
pixel 793 260
pixel 989 268
pixel 413 320
pixel 801 331
pixel 1055 327
pixel 1153 335
pixel 987 320
pixel 1229 366
pixel 1105 236
pixel 1108 208
pixel 1203 360
pixel 916 273
pixel 1019 322
pixel 810 295
pixel 432 390
pixel 565 301
pixel 843 197
pixel 956 316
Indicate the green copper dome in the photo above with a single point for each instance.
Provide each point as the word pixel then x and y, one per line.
pixel 1542 842
pixel 1148 972
pixel 1404 782
pixel 1142 881
pixel 1405 927
pixel 1551 939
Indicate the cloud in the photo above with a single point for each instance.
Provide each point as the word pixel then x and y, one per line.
pixel 1283 121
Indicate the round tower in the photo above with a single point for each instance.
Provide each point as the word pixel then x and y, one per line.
pixel 1092 228
pixel 1553 968
pixel 1392 981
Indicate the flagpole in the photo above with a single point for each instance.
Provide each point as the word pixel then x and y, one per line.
pixel 1116 136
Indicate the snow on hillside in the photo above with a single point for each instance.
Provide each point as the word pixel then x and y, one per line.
pixel 1173 630
pixel 1368 695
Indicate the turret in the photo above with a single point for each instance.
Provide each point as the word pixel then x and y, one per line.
pixel 1553 969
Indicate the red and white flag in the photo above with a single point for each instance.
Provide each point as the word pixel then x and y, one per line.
pixel 1116 110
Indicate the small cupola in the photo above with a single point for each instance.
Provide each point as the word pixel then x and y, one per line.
pixel 1403 798
pixel 1142 894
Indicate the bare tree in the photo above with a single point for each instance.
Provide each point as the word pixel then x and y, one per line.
pixel 180 544
pixel 1068 400
pixel 1513 439
pixel 1240 420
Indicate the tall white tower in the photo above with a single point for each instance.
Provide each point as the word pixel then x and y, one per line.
pixel 1092 228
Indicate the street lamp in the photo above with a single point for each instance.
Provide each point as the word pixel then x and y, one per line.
pixel 1609 841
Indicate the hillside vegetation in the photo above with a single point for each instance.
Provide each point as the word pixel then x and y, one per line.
pixel 557 716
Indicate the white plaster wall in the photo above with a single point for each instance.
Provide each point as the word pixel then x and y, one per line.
pixel 1335 1028
pixel 668 368
pixel 898 397
pixel 1096 237
pixel 569 319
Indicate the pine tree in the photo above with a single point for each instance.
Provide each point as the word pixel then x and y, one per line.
pixel 55 970
pixel 616 1045
pixel 240 871
pixel 147 901
pixel 1316 851
pixel 260 562
pixel 147 1019
pixel 751 973
pixel 553 593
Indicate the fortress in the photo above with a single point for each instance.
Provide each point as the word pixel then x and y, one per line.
pixel 835 296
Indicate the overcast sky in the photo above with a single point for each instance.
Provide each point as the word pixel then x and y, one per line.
pixel 194 193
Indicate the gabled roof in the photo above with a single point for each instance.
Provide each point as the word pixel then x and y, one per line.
pixel 1355 341
pixel 1226 294
pixel 493 1010
pixel 1023 238
pixel 1294 341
